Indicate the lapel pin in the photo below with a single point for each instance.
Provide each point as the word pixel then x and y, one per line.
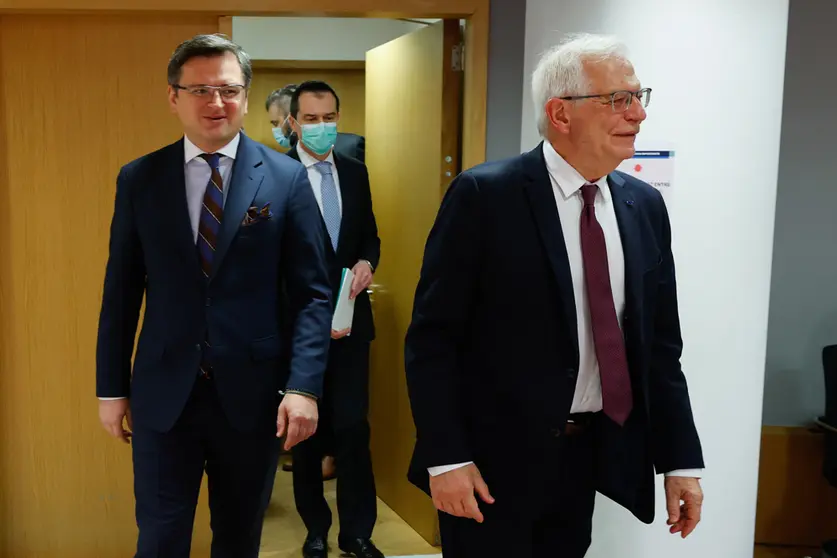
pixel 629 202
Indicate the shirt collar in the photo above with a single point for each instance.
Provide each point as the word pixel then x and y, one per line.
pixel 568 179
pixel 192 151
pixel 308 160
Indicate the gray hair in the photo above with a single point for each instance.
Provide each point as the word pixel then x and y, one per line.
pixel 560 70
pixel 282 97
pixel 208 45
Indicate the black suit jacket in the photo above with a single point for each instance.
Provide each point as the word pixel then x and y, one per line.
pixel 492 352
pixel 352 145
pixel 358 236
pixel 238 310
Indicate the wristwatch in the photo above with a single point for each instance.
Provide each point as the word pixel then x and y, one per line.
pixel 371 267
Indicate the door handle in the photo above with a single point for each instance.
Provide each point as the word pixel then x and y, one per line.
pixel 372 290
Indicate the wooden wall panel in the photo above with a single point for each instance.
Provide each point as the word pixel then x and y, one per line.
pixel 350 86
pixel 796 506
pixel 79 97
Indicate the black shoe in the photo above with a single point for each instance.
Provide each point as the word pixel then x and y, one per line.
pixel 315 547
pixel 360 548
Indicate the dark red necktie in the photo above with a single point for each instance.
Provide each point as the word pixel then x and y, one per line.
pixel 617 398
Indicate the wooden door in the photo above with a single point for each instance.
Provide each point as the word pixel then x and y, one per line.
pixel 413 95
pixel 79 97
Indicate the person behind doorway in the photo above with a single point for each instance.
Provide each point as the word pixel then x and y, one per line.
pixel 546 316
pixel 341 186
pixel 206 229
pixel 278 107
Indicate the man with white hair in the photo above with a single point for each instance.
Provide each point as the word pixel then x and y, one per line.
pixel 546 319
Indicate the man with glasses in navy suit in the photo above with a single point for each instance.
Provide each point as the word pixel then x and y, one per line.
pixel 221 237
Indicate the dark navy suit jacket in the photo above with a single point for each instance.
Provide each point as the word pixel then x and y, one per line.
pixel 492 352
pixel 236 317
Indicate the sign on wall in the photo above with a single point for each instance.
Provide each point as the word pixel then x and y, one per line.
pixel 654 167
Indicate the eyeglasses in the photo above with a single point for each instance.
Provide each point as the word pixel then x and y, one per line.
pixel 227 92
pixel 620 101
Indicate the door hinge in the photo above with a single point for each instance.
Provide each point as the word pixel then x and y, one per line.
pixel 458 57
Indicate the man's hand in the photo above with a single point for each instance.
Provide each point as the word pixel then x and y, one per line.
pixel 341 333
pixel 112 413
pixel 363 278
pixel 298 416
pixel 453 492
pixel 683 518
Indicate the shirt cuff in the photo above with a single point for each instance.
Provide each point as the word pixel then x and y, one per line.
pixel 301 392
pixel 442 469
pixel 111 398
pixel 691 473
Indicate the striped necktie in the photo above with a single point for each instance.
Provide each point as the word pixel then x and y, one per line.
pixel 212 212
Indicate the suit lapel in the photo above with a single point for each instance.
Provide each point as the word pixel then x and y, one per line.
pixel 627 216
pixel 175 206
pixel 542 202
pixel 247 176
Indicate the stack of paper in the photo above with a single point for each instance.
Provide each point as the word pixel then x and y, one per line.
pixel 344 310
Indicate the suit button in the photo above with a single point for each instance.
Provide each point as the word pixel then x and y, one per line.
pixel 555 432
pixel 197 346
pixel 208 302
pixel 571 373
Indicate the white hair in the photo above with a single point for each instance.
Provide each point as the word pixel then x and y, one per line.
pixel 560 70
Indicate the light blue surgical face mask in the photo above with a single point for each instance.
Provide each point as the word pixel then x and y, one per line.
pixel 320 137
pixel 281 138
pixel 279 134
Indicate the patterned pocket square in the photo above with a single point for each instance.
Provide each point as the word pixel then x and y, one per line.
pixel 254 215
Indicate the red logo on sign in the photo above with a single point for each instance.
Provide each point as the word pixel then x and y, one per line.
pixel 638 167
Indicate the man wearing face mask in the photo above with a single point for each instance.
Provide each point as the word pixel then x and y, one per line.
pixel 278 107
pixel 341 188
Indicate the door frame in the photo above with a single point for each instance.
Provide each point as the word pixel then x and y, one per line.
pixel 475 12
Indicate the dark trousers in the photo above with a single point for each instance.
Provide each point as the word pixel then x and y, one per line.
pixel 169 467
pixel 553 519
pixel 343 432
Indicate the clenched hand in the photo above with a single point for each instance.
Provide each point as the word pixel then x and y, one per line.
pixel 453 492
pixel 298 416
pixel 363 278
pixel 112 414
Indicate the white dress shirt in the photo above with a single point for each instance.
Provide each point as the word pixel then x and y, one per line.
pixel 316 178
pixel 566 186
pixel 197 173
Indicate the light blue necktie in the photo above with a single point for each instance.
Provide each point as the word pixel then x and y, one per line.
pixel 331 204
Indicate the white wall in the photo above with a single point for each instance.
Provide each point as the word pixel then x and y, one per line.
pixel 803 308
pixel 717 69
pixel 315 38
